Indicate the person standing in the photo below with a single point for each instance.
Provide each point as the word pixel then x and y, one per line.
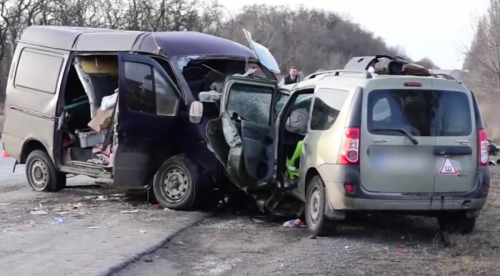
pixel 292 78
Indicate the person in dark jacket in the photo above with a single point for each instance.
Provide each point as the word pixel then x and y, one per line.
pixel 292 78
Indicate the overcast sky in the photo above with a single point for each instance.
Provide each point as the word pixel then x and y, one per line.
pixel 438 29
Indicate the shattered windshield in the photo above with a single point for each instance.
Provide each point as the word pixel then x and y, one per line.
pixel 250 102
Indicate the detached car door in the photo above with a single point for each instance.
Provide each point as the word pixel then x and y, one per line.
pixel 248 121
pixel 148 105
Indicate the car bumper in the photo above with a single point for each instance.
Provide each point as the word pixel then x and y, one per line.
pixel 339 200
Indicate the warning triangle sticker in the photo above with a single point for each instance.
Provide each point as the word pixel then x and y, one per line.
pixel 448 167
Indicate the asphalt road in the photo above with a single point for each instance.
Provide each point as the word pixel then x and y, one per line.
pixel 369 246
pixel 99 227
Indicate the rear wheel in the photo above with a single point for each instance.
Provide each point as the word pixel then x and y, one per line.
pixel 457 223
pixel 41 173
pixel 180 184
pixel 315 206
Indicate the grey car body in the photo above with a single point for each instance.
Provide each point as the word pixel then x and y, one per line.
pixel 375 142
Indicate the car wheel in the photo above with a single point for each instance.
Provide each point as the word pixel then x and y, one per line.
pixel 41 173
pixel 457 224
pixel 180 184
pixel 315 206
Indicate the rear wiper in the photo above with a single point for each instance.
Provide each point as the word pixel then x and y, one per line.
pixel 406 133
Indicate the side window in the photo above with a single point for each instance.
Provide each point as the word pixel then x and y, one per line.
pixel 166 100
pixel 326 107
pixel 147 91
pixel 38 71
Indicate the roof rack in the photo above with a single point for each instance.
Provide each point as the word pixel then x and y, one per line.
pixel 445 76
pixel 366 74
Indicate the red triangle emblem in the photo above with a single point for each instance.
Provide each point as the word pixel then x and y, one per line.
pixel 448 167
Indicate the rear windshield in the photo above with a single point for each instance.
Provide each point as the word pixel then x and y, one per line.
pixel 250 102
pixel 419 112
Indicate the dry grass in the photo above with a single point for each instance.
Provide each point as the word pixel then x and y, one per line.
pixel 479 253
pixel 412 245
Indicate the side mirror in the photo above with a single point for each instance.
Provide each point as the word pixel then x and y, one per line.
pixel 196 112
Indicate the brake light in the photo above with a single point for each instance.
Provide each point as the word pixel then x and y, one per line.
pixel 412 84
pixel 349 188
pixel 482 148
pixel 349 150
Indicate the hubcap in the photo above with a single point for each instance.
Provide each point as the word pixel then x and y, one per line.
pixel 176 184
pixel 314 205
pixel 39 174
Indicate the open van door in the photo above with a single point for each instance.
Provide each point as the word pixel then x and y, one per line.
pixel 147 121
pixel 263 54
pixel 248 122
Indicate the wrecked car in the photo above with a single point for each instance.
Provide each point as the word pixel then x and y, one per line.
pixel 394 139
pixel 120 105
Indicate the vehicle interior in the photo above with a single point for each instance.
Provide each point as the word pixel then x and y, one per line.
pixel 90 80
pixel 293 134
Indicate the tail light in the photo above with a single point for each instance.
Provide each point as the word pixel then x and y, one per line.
pixel 349 188
pixel 349 150
pixel 482 148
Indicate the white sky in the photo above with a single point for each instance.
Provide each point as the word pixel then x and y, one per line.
pixel 438 29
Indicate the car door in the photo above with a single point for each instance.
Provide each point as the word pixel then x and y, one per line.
pixel 248 121
pixel 396 149
pixel 146 133
pixel 456 138
pixel 263 54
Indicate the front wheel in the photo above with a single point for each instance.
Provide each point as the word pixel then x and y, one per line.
pixel 41 173
pixel 315 206
pixel 180 184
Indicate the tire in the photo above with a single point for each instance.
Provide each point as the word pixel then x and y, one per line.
pixel 315 206
pixel 41 173
pixel 457 223
pixel 186 188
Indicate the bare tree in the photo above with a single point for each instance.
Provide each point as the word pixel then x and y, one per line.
pixel 308 38
pixel 483 63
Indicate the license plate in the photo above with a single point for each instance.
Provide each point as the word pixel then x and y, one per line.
pixel 400 163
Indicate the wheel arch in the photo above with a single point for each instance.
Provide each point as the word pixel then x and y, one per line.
pixel 29 146
pixel 311 172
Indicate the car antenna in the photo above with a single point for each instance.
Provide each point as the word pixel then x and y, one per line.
pixel 158 48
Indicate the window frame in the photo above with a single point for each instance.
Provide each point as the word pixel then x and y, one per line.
pixel 317 94
pixel 42 53
pixel 228 86
pixel 153 69
pixel 369 113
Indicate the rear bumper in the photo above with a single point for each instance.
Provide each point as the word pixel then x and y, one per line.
pixel 360 199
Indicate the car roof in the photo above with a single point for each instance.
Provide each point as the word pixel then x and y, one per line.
pixel 96 39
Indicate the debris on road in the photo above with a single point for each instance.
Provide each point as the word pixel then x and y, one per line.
pixel 143 231
pixel 148 260
pixel 130 211
pixel 296 223
pixel 57 221
pixel 94 227
pixel 38 212
pixel 4 204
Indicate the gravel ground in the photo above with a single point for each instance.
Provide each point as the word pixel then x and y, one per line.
pixel 228 245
